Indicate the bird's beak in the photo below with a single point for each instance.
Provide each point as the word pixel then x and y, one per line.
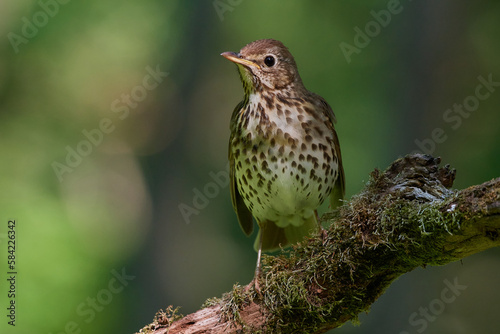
pixel 236 58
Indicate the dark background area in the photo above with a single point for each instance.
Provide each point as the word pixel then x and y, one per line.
pixel 114 124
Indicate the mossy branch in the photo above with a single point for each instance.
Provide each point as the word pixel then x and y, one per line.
pixel 406 217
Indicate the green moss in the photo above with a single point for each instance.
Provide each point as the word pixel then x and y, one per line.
pixel 162 319
pixel 212 302
pixel 403 219
pixel 230 305
pixel 233 303
pixel 383 232
pixel 331 280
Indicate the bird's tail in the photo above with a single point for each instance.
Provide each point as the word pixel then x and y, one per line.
pixel 274 237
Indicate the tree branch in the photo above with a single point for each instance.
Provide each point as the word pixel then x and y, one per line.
pixel 406 217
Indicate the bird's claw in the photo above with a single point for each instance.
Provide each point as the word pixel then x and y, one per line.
pixel 255 284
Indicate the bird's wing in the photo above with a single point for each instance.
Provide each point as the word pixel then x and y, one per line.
pixel 244 215
pixel 338 192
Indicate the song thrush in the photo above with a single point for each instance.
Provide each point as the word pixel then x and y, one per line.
pixel 284 152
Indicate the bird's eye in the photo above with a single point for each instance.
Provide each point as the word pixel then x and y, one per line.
pixel 269 61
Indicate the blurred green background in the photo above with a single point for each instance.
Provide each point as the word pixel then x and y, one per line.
pixel 138 90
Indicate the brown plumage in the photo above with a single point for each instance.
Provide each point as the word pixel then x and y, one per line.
pixel 284 151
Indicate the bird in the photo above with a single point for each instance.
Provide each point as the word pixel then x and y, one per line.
pixel 284 152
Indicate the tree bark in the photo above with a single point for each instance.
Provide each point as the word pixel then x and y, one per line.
pixel 406 217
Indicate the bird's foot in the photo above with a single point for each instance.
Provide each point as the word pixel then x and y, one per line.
pixel 324 235
pixel 255 284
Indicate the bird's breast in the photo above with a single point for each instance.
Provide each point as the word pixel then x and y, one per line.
pixel 285 161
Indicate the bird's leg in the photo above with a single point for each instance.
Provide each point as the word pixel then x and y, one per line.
pixel 322 231
pixel 257 267
pixel 255 281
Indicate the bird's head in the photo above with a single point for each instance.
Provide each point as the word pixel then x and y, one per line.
pixel 265 64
